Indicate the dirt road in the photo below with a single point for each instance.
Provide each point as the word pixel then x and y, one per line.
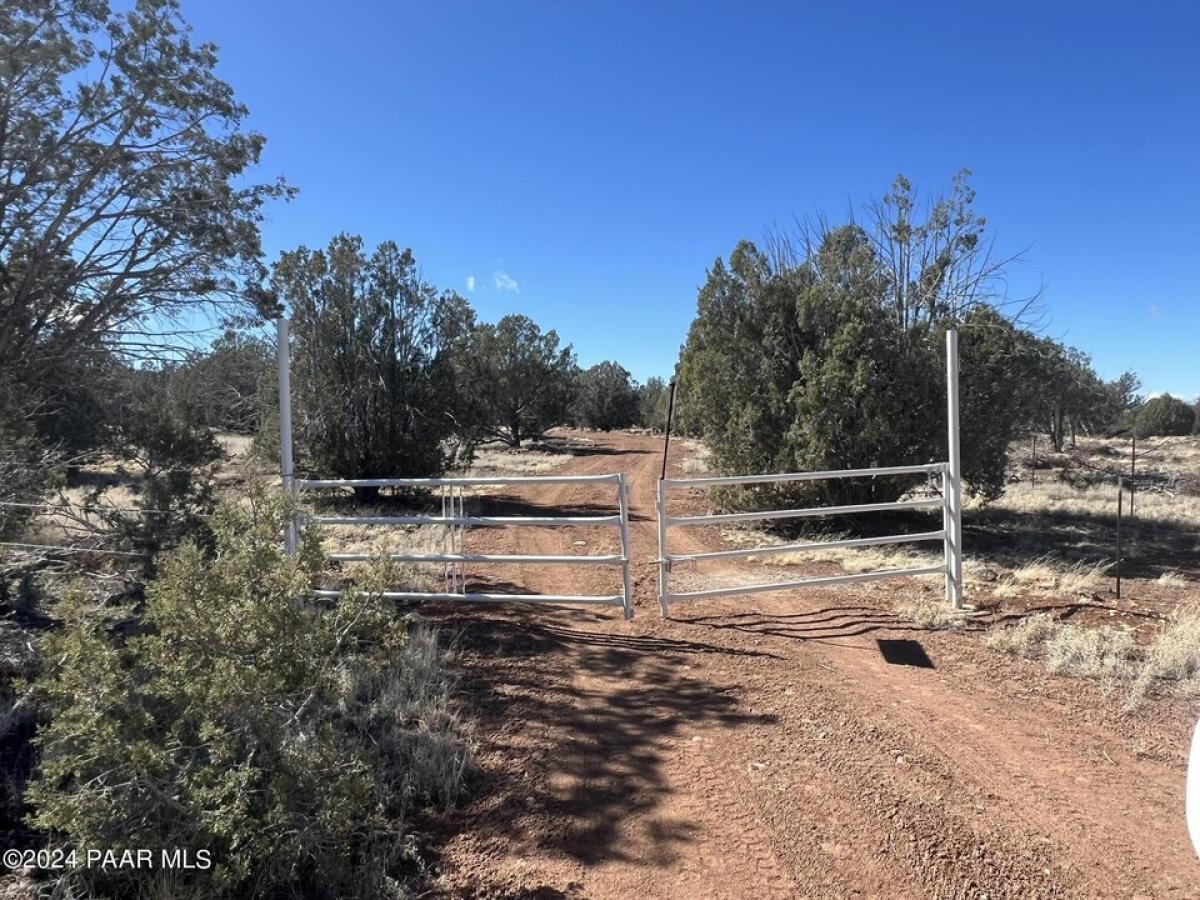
pixel 762 746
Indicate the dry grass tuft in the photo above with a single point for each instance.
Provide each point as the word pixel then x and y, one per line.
pixel 1109 654
pixel 1105 654
pixel 933 615
pixel 852 560
pixel 698 460
pixel 1048 576
pixel 1055 498
pixel 1024 638
pixel 408 706
pixel 499 459
pixel 1173 656
pixel 1175 579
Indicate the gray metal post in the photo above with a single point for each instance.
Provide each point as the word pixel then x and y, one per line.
pixel 954 470
pixel 1132 475
pixel 947 533
pixel 626 581
pixel 283 361
pixel 663 566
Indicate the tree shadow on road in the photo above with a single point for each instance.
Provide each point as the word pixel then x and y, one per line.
pixel 576 448
pixel 576 728
pixel 507 505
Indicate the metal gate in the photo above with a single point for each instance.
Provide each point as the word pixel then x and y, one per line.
pixel 949 500
pixel 456 521
pixel 667 559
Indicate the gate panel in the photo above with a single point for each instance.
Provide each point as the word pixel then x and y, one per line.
pixel 665 521
pixel 455 520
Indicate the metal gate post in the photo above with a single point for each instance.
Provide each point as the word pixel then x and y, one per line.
pixel 953 474
pixel 626 581
pixel 664 567
pixel 947 536
pixel 283 362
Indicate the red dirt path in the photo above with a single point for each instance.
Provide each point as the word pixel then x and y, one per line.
pixel 762 747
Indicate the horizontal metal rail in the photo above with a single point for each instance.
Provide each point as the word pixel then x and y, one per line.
pixel 667 559
pixel 305 483
pixel 807 582
pixel 454 519
pixel 812 545
pixel 481 558
pixel 590 599
pixel 478 521
pixel 923 469
pixel 805 513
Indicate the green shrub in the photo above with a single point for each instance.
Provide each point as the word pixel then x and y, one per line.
pixel 653 399
pixel 519 378
pixel 796 367
pixel 607 398
pixel 374 362
pixel 286 736
pixel 1165 415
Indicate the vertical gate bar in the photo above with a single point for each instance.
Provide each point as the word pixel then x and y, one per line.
pixel 445 540
pixel 1132 474
pixel 947 551
pixel 461 567
pixel 954 468
pixel 287 464
pixel 664 571
pixel 626 583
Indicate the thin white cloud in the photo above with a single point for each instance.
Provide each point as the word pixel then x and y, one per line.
pixel 470 282
pixel 505 282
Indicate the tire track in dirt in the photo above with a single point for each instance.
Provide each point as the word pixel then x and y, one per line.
pixel 761 747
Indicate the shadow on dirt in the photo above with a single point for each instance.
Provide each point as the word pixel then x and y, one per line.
pixel 1148 549
pixel 1086 608
pixel 1007 538
pixel 427 503
pixel 821 625
pixel 575 449
pixel 567 759
pixel 901 652
pixel 582 445
pixel 514 506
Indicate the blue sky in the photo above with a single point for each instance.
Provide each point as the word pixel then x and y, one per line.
pixel 584 163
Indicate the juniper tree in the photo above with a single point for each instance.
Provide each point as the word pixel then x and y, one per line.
pixel 828 353
pixel 606 397
pixel 1164 415
pixel 653 397
pixel 520 379
pixel 375 361
pixel 124 201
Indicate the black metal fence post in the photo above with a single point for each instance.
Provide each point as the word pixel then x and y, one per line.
pixel 667 436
